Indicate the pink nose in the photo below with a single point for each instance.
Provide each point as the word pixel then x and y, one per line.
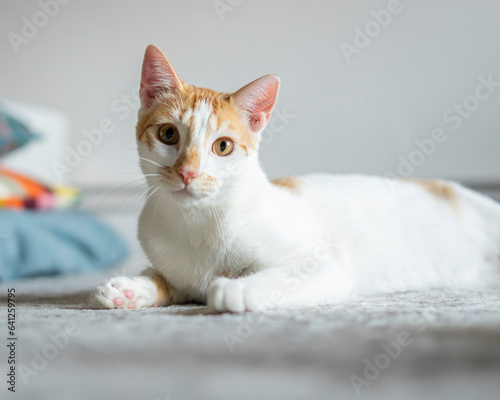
pixel 187 175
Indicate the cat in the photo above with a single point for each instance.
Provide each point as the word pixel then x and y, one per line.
pixel 217 231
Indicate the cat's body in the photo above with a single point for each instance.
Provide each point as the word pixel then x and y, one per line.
pixel 402 237
pixel 216 230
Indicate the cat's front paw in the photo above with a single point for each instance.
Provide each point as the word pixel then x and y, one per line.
pixel 126 293
pixel 229 295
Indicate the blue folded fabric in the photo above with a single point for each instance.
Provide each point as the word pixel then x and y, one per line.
pixel 36 244
pixel 13 133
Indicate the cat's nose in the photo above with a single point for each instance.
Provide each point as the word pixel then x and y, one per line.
pixel 187 175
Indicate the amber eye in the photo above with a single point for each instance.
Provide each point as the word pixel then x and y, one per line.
pixel 223 146
pixel 168 134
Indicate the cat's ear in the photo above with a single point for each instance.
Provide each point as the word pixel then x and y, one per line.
pixel 157 76
pixel 257 100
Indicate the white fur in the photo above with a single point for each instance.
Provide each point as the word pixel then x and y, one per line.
pixel 340 236
pixel 145 293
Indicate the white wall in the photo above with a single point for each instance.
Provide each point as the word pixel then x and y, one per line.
pixel 349 117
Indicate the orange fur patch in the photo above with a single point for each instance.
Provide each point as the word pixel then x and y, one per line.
pixel 173 106
pixel 188 158
pixel 169 173
pixel 227 274
pixel 441 189
pixel 166 293
pixel 289 182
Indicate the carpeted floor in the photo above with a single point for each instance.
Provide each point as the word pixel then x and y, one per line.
pixel 436 345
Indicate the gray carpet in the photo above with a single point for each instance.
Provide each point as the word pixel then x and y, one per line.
pixel 449 348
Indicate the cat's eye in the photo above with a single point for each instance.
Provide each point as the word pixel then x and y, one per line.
pixel 223 146
pixel 168 134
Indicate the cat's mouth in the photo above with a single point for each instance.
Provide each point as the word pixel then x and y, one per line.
pixel 197 189
pixel 188 193
pixel 183 192
pixel 178 189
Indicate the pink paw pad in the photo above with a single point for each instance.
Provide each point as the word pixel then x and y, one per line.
pixel 129 293
pixel 118 301
pixel 131 305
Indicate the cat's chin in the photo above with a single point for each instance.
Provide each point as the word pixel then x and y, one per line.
pixel 188 197
pixel 183 193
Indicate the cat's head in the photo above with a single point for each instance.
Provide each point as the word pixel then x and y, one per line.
pixel 192 141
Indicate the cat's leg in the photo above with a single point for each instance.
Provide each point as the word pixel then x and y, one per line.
pixel 280 287
pixel 150 289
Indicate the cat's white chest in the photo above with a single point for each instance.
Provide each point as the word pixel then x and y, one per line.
pixel 190 255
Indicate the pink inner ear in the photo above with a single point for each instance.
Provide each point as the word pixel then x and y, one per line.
pixel 157 76
pixel 257 122
pixel 257 100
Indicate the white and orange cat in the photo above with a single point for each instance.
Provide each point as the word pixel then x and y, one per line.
pixel 217 231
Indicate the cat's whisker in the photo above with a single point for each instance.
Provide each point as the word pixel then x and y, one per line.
pixel 137 195
pixel 153 188
pixel 151 161
pixel 156 207
pixel 151 194
pixel 115 187
pixel 126 202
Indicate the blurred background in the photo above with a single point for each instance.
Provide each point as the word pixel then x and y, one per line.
pixel 353 109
